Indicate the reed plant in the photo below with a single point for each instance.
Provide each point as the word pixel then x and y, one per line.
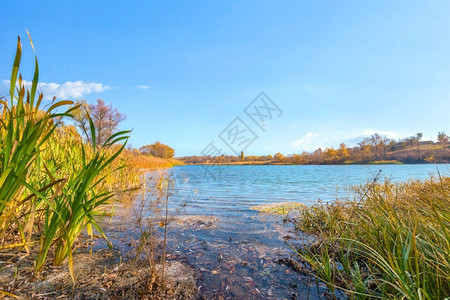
pixel 53 184
pixel 79 204
pixel 391 241
pixel 153 216
pixel 24 132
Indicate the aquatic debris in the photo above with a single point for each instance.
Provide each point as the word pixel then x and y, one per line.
pixel 197 221
pixel 280 208
pixel 293 264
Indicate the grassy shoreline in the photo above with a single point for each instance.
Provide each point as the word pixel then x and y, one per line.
pixel 390 241
pixel 56 185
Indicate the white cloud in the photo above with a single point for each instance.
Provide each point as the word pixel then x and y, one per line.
pixel 311 141
pixel 142 86
pixel 388 134
pixel 307 143
pixel 354 139
pixel 66 90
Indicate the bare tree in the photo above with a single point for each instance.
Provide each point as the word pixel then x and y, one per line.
pixel 378 144
pixel 81 119
pixel 106 120
pixel 443 138
pixel 417 142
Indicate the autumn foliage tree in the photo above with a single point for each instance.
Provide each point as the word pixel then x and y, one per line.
pixel 158 150
pixel 279 157
pixel 343 152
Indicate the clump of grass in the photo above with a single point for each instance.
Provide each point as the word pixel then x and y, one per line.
pixel 390 241
pixel 279 208
pixel 385 162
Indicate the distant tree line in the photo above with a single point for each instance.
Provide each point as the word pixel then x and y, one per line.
pixel 373 149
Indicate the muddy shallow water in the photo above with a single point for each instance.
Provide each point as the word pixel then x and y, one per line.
pixel 238 252
pixel 231 259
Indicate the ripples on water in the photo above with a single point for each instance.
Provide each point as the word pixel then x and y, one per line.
pixel 237 258
pixel 237 187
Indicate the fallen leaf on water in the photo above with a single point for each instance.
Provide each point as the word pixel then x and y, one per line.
pixel 214 272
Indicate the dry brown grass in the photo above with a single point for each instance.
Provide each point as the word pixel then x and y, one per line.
pixel 146 162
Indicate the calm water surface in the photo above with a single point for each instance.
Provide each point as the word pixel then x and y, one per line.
pixel 237 187
pixel 241 256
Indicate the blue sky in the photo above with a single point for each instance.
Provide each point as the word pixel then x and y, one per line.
pixel 182 72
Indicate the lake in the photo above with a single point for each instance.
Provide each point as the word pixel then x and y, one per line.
pixel 228 190
pixel 243 254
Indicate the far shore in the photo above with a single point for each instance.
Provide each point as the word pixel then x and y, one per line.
pixel 248 163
